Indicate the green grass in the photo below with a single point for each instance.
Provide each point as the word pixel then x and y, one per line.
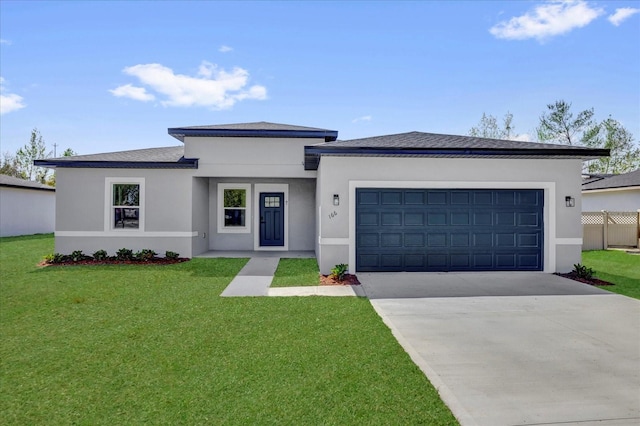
pixel 296 272
pixel 132 344
pixel 617 267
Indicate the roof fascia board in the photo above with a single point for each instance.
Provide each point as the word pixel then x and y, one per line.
pixel 8 185
pixel 582 153
pixel 612 189
pixel 181 133
pixel 182 164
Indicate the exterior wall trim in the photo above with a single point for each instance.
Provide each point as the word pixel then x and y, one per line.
pixel 334 241
pixel 128 234
pixel 550 240
pixel 569 241
pixel 270 187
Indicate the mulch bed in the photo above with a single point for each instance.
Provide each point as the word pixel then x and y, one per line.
pixel 330 280
pixel 592 281
pixel 154 261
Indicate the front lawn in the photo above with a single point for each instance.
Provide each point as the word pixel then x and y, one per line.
pixel 296 272
pixel 617 267
pixel 136 344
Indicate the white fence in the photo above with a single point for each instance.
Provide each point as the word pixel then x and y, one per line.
pixel 604 229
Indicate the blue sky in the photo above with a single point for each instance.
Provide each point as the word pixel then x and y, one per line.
pixel 111 76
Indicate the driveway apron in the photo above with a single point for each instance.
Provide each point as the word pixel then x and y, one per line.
pixel 517 348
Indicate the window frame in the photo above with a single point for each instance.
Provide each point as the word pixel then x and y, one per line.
pixel 109 215
pixel 222 229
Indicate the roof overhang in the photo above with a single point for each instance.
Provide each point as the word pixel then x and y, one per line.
pixel 183 163
pixel 313 153
pixel 180 133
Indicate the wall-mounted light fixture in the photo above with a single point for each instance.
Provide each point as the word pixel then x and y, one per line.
pixel 570 201
pixel 336 199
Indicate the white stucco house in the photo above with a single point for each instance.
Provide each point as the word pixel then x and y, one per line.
pixel 614 193
pixel 405 202
pixel 26 207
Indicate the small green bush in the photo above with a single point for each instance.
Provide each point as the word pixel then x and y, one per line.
pixel 100 255
pixel 339 271
pixel 54 258
pixel 145 255
pixel 581 271
pixel 77 256
pixel 171 255
pixel 124 254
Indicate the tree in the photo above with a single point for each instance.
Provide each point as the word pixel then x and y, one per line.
pixel 34 150
pixel 10 166
pixel 610 134
pixel 557 125
pixel 488 127
pixel 51 181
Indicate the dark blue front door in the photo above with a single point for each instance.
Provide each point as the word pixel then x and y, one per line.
pixel 271 219
pixel 449 229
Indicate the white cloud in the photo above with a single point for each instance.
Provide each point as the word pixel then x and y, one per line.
pixel 361 119
pixel 212 86
pixel 130 91
pixel 10 101
pixel 550 19
pixel 5 41
pixel 622 14
pixel 225 49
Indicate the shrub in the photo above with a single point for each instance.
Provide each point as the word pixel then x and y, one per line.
pixel 171 255
pixel 124 254
pixel 581 271
pixel 339 271
pixel 100 255
pixel 55 258
pixel 77 256
pixel 145 255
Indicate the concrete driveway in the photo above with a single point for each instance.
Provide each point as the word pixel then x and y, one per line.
pixel 517 348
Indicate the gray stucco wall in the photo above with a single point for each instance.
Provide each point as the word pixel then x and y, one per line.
pixel 200 215
pixel 81 207
pixel 249 156
pixel 340 175
pixel 301 215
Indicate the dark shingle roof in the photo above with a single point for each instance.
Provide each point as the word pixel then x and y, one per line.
pixel 615 181
pixel 14 182
pixel 421 144
pixel 258 129
pixel 434 140
pixel 153 158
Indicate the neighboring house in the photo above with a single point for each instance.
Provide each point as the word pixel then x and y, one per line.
pixel 26 207
pixel 405 202
pixel 616 193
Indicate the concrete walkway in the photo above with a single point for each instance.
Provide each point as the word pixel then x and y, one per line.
pixel 256 277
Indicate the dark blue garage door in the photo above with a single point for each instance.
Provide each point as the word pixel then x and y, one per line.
pixel 449 229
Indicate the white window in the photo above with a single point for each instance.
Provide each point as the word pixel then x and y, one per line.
pixel 124 198
pixel 234 208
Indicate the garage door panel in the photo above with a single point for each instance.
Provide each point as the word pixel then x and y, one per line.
pixel 437 218
pixel 368 219
pixel 391 240
pixel 414 219
pixel 391 219
pixel 414 240
pixel 392 198
pixel 442 230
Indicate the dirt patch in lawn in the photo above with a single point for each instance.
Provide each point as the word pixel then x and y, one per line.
pixel 154 261
pixel 347 280
pixel 591 281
